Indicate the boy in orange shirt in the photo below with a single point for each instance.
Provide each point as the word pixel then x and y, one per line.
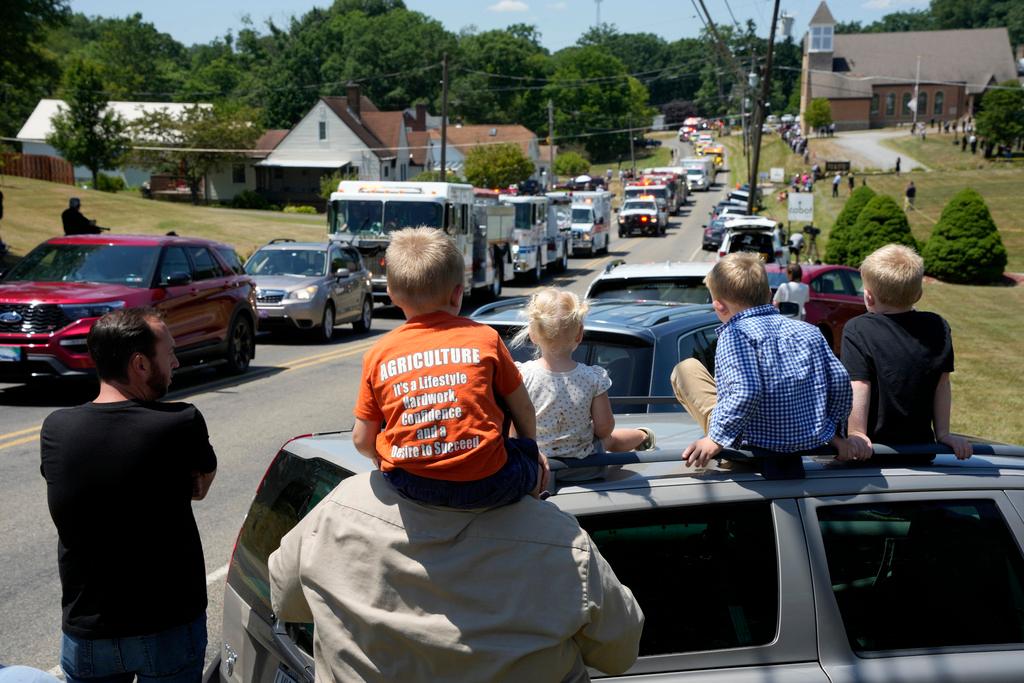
pixel 428 409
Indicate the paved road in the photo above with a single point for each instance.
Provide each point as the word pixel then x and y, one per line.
pixel 294 387
pixel 867 144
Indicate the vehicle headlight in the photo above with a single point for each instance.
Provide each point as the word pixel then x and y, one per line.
pixel 304 294
pixel 622 219
pixel 79 311
pixel 586 236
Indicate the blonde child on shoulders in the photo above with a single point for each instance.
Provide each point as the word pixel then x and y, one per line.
pixel 574 414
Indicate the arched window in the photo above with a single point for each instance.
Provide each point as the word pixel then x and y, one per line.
pixel 906 105
pixel 874 103
pixel 890 104
pixel 922 104
pixel 940 101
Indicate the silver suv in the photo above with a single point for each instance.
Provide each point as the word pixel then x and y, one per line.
pixel 905 572
pixel 311 286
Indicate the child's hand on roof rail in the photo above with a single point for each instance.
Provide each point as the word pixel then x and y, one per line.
pixel 961 446
pixel 856 446
pixel 700 452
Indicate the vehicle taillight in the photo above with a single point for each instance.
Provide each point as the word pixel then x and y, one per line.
pixel 778 253
pixel 721 253
pixel 383 262
pixel 643 219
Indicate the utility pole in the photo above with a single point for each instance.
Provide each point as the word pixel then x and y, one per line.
pixel 632 155
pixel 917 81
pixel 444 118
pixel 766 89
pixel 598 3
pixel 551 145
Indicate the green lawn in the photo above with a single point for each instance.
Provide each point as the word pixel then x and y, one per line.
pixel 938 152
pixel 32 211
pixel 987 322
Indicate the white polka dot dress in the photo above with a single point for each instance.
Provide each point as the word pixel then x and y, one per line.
pixel 562 401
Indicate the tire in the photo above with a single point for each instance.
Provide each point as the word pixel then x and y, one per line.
pixel 240 346
pixel 499 275
pixel 365 316
pixel 622 233
pixel 563 264
pixel 325 330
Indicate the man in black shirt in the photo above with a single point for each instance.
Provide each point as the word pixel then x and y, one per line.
pixel 121 473
pixel 75 223
pixel 899 359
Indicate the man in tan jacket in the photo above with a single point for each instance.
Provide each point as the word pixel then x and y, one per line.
pixel 401 591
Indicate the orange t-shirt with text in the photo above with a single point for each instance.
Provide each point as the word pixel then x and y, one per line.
pixel 432 382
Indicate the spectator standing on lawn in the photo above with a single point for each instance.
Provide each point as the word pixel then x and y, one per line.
pixel 908 196
pixel 851 182
pixel 897 165
pixel 899 359
pixel 835 184
pixel 794 291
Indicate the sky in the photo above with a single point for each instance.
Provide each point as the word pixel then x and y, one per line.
pixel 560 21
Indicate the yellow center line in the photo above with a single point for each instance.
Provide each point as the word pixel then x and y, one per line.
pixel 20 432
pixel 18 442
pixel 326 359
pixel 362 345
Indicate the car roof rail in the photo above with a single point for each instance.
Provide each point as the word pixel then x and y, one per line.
pixel 496 306
pixel 774 465
pixel 279 240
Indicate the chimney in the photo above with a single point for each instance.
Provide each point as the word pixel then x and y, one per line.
pixel 352 96
pixel 421 118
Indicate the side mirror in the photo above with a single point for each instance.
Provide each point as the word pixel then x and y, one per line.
pixel 177 280
pixel 342 272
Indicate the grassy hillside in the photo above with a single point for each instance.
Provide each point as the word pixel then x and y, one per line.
pixel 32 211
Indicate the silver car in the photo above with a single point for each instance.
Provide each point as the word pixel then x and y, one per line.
pixel 311 286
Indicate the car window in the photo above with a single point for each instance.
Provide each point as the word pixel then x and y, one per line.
pixel 301 262
pixel 924 574
pixel 351 260
pixel 127 265
pixel 684 290
pixel 728 551
pixel 205 265
pixel 175 262
pixel 854 284
pixel 830 282
pixel 291 487
pixel 232 259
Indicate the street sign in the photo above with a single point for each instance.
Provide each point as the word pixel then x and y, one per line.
pixel 778 174
pixel 801 207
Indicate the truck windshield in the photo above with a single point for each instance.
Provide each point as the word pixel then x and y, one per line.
pixel 112 264
pixel 523 218
pixel 582 216
pixel 377 217
pixel 639 206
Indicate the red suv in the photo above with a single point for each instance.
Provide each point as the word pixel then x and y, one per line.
pixel 50 299
pixel 837 295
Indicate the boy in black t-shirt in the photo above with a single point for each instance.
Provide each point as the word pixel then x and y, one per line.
pixel 899 359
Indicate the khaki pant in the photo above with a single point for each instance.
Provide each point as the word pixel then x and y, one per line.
pixel 694 387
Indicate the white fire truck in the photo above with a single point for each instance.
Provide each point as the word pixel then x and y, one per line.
pixel 543 233
pixel 365 213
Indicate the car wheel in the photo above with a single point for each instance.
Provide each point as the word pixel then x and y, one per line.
pixel 365 316
pixel 563 265
pixel 499 275
pixel 326 329
pixel 622 233
pixel 240 346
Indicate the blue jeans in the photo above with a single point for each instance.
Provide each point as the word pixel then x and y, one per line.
pixel 515 479
pixel 171 656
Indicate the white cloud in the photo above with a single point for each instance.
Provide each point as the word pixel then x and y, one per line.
pixel 509 6
pixel 558 6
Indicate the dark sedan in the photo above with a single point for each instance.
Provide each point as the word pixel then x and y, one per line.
pixel 637 342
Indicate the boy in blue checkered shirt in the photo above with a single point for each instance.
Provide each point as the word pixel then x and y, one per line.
pixel 777 385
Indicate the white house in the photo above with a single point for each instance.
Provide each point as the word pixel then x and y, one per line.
pixel 39 125
pixel 347 134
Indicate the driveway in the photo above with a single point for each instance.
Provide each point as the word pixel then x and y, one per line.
pixel 867 151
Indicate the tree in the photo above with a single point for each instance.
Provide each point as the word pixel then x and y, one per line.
pixel 86 133
pixel 497 165
pixel 1001 120
pixel 199 141
pixel 434 176
pixel 819 113
pixel 571 164
pixel 880 222
pixel 28 70
pixel 838 237
pixel 678 111
pixel 980 14
pixel 965 245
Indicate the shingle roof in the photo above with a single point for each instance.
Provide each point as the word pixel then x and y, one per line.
pixel 822 15
pixel 339 105
pixel 417 140
pixel 386 126
pixel 974 57
pixel 38 125
pixel 270 139
pixel 466 137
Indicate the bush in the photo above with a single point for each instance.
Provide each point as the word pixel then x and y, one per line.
pixel 109 183
pixel 299 208
pixel 497 166
pixel 248 199
pixel 435 177
pixel 847 218
pixel 571 164
pixel 965 245
pixel 880 222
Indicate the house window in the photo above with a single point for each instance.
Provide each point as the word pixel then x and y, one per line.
pixel 922 103
pixel 874 103
pixel 385 171
pixel 940 101
pixel 821 39
pixel 906 105
pixel 238 174
pixel 323 130
pixel 890 104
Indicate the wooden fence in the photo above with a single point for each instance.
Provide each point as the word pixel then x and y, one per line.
pixel 38 166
